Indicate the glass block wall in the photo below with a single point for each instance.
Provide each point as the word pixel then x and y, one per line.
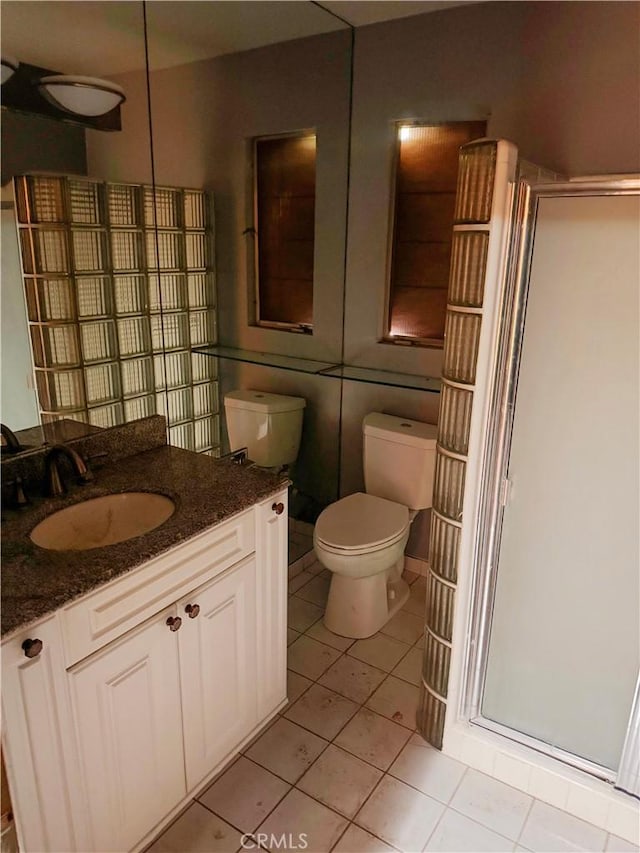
pixel 463 321
pixel 119 283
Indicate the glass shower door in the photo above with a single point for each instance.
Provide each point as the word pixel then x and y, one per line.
pixel 565 645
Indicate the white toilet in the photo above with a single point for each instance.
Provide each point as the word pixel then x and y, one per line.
pixel 361 538
pixel 268 425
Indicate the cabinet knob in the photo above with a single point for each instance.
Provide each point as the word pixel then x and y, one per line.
pixel 32 648
pixel 192 610
pixel 278 508
pixel 174 623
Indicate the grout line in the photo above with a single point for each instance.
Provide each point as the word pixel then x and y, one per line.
pixel 524 823
pixel 235 826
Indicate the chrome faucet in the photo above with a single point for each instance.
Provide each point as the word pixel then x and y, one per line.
pixel 54 484
pixel 11 443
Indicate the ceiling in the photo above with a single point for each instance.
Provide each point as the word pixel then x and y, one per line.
pixel 359 13
pixel 105 37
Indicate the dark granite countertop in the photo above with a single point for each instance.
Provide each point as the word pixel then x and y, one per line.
pixel 36 582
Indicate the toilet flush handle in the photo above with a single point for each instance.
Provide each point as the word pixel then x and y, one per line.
pixel 278 508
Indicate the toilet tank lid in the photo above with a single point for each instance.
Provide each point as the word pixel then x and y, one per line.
pixel 261 401
pixel 400 430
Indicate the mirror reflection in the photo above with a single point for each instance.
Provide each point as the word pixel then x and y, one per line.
pixel 62 318
pixel 260 118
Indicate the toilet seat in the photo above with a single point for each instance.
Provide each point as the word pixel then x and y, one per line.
pixel 360 524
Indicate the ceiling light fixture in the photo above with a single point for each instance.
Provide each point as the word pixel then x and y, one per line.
pixel 84 96
pixel 9 65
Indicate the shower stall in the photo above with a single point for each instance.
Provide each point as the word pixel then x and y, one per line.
pixel 545 646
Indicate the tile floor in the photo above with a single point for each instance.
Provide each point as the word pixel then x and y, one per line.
pixel 343 765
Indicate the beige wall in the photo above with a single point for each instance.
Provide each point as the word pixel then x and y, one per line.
pixel 559 79
pixel 31 143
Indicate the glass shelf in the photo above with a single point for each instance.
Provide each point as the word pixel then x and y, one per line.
pixel 383 377
pixel 282 362
pixel 325 368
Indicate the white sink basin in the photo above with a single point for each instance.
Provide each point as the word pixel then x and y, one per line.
pixel 102 521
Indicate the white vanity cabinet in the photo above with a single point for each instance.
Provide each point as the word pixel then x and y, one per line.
pixel 37 739
pixel 217 650
pixel 126 703
pixel 126 712
pixel 272 542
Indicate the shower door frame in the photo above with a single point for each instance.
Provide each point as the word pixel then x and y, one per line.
pixel 502 384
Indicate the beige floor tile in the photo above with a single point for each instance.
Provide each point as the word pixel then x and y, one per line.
pixel 421 583
pixel 322 711
pixel 550 829
pixel 253 740
pixel 400 815
pixel 244 795
pixel 353 678
pixel 302 821
pixel 340 780
pixel 379 650
pixel 427 769
pixel 492 803
pixel 410 667
pixel 419 643
pixel 417 602
pixel 286 750
pixel 456 833
pixel 357 840
pixel 310 658
pixel 298 546
pixel 295 568
pixel 198 831
pixel 302 614
pixel 396 700
pixel 319 632
pixel 292 636
pixel 296 685
pixel 405 627
pixel 315 568
pixel 373 738
pixel 316 590
pixel 299 580
pixel 619 845
pixel 409 577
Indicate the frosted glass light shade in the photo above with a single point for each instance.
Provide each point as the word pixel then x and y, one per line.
pixel 85 96
pixel 9 65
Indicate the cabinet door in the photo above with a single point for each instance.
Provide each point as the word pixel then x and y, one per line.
pixel 127 708
pixel 217 666
pixel 39 744
pixel 272 525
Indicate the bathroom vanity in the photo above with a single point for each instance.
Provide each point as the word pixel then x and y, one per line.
pixel 167 656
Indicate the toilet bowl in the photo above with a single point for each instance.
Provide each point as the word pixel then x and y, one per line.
pixel 361 538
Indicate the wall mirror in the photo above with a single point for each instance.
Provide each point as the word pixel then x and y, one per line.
pixel 78 328
pixel 211 79
pixel 221 77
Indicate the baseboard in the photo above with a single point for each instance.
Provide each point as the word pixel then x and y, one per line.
pixel 418 567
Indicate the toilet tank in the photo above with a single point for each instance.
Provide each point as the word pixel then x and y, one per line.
pixel 399 459
pixel 268 425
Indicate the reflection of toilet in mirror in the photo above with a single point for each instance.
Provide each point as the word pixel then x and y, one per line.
pixel 361 538
pixel 268 425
